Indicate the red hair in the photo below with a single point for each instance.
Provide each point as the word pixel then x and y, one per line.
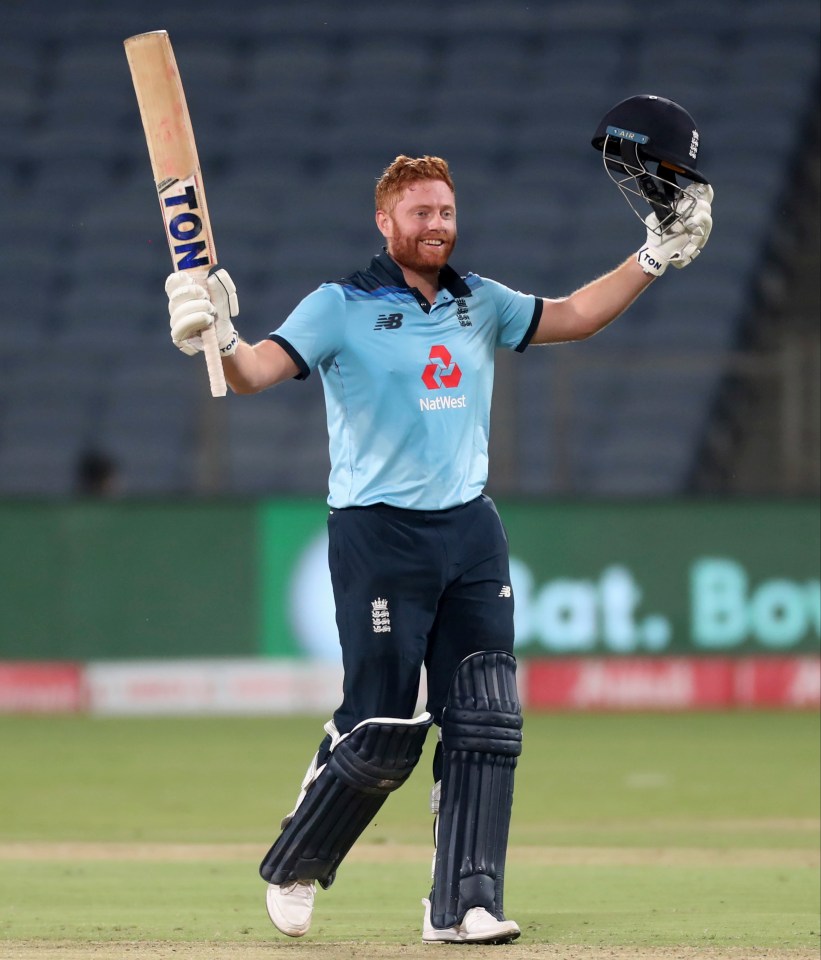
pixel 404 171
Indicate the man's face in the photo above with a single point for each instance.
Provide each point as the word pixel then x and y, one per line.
pixel 421 229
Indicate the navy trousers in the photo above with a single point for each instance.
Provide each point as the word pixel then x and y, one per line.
pixel 411 588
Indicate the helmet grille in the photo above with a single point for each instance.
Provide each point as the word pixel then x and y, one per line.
pixel 626 163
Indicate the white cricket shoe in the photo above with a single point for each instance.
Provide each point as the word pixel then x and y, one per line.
pixel 477 926
pixel 290 906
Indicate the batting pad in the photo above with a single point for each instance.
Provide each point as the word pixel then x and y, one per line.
pixel 364 766
pixel 481 741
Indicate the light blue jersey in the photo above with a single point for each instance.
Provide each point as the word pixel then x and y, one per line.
pixel 407 384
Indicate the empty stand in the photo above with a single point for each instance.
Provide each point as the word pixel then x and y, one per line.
pixel 297 109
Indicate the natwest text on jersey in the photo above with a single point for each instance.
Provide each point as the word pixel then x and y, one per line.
pixel 442 403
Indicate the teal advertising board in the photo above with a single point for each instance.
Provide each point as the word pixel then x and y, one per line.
pixel 665 578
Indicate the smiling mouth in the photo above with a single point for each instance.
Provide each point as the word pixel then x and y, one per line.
pixel 433 243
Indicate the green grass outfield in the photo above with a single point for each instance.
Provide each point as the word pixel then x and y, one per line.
pixel 672 835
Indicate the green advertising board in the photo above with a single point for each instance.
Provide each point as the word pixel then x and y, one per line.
pixel 127 579
pixel 295 587
pixel 599 578
pixel 210 578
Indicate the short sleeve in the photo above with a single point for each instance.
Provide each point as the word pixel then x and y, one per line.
pixel 518 315
pixel 314 330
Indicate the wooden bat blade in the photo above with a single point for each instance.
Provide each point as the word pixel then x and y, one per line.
pixel 173 153
pixel 163 108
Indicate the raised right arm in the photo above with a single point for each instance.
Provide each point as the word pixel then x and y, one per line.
pixel 193 307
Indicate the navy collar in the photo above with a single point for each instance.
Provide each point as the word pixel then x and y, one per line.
pixel 387 270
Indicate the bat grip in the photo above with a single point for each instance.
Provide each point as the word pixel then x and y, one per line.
pixel 216 375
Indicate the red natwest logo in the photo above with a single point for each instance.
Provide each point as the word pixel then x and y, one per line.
pixel 441 371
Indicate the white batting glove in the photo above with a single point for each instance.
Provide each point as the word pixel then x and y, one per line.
pixel 683 241
pixel 194 307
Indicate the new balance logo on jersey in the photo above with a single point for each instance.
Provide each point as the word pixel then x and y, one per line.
pixel 442 371
pixel 390 321
pixel 506 592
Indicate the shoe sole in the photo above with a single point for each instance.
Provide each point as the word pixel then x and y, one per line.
pixel 488 941
pixel 509 931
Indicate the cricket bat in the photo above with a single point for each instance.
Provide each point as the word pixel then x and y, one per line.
pixel 176 168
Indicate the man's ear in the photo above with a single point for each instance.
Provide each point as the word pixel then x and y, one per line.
pixel 383 223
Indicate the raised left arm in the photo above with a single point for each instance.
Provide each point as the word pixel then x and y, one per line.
pixel 595 305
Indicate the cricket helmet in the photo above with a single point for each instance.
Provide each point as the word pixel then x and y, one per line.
pixel 645 141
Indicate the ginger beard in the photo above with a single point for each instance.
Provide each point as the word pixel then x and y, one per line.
pixel 425 254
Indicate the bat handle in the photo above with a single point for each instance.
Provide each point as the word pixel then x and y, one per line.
pixel 216 375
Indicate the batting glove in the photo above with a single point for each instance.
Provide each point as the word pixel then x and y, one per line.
pixel 194 307
pixel 683 241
